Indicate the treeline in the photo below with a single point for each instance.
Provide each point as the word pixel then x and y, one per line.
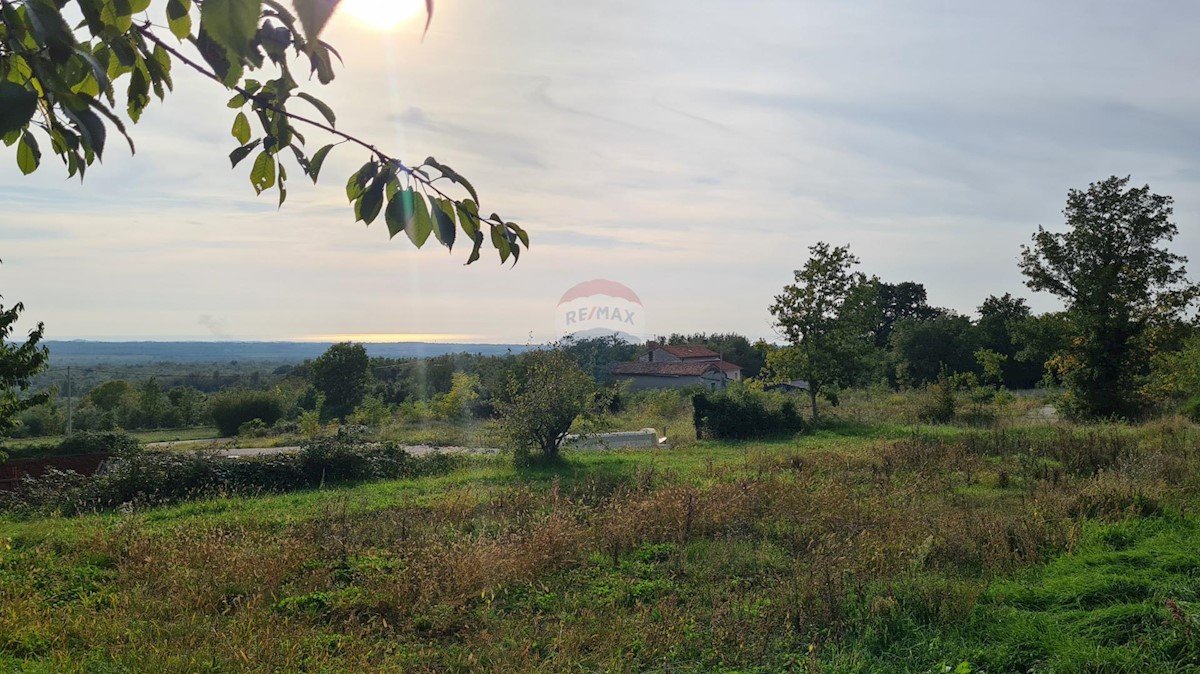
pixel 1124 347
pixel 343 383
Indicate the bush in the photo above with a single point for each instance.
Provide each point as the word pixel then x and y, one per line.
pixel 742 413
pixel 231 409
pixel 255 428
pixel 1191 409
pixel 546 394
pixel 153 478
pixel 89 442
pixel 941 404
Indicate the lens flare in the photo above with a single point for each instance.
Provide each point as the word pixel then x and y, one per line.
pixel 381 14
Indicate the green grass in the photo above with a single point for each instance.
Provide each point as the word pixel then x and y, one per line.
pixel 857 548
pixel 164 435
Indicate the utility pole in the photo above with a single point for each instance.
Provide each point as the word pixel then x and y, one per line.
pixel 70 409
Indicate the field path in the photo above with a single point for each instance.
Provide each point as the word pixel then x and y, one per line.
pixel 240 452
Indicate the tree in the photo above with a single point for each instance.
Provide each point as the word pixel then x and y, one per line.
pixel 1041 341
pixel 234 407
pixel 546 393
pixel 341 375
pixel 19 362
pixel 922 350
pixel 597 355
pixel 112 396
pixel 64 87
pixel 824 315
pixel 894 302
pixel 999 321
pixel 1117 282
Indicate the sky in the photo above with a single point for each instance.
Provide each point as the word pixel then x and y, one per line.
pixel 691 150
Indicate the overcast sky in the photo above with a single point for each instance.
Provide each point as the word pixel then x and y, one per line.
pixel 691 150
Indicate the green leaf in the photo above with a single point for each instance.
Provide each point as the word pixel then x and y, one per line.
pixel 117 14
pixel 513 246
pixel 262 175
pixel 116 121
pixel 368 205
pixel 228 70
pixel 99 72
pixel 443 218
pixel 241 128
pixel 138 95
pixel 468 217
pixel 419 224
pixel 242 152
pixel 317 103
pixel 475 248
pixel 500 243
pixel 524 237
pixel 51 30
pixel 17 105
pixel 91 129
pixel 358 181
pixel 179 18
pixel 397 211
pixel 314 164
pixel 231 24
pixel 314 14
pixel 28 154
pixel 282 189
pixel 319 58
pixel 453 176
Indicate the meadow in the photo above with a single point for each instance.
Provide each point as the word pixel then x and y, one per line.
pixel 876 545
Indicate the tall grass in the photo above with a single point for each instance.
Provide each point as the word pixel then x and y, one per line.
pixel 906 555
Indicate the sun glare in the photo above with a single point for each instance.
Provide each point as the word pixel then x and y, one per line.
pixel 381 14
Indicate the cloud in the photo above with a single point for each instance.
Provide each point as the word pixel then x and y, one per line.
pixel 692 150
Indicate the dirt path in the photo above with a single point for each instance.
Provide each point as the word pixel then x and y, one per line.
pixel 239 452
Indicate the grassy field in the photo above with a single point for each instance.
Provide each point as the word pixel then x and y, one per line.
pixel 165 435
pixel 865 548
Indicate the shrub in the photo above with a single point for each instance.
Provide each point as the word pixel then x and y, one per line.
pixel 1191 409
pixel 544 397
pixel 255 428
pixel 147 478
pixel 88 442
pixel 941 405
pixel 742 413
pixel 231 409
pixel 456 404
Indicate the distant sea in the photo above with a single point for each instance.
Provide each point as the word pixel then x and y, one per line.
pixel 84 351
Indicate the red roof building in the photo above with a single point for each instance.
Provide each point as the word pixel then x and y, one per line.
pixel 678 366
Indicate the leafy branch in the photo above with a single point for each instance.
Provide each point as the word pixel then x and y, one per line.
pixel 70 80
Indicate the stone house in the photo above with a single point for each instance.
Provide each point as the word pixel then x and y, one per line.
pixel 678 367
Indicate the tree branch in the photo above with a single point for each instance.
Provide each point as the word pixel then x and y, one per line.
pixel 145 31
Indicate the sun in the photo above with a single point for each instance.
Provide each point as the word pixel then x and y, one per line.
pixel 381 14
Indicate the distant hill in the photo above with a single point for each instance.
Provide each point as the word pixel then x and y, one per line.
pixel 86 352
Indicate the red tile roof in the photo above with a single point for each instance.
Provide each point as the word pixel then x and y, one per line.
pixel 690 351
pixel 674 369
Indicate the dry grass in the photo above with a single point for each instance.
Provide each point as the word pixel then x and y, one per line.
pixel 745 558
